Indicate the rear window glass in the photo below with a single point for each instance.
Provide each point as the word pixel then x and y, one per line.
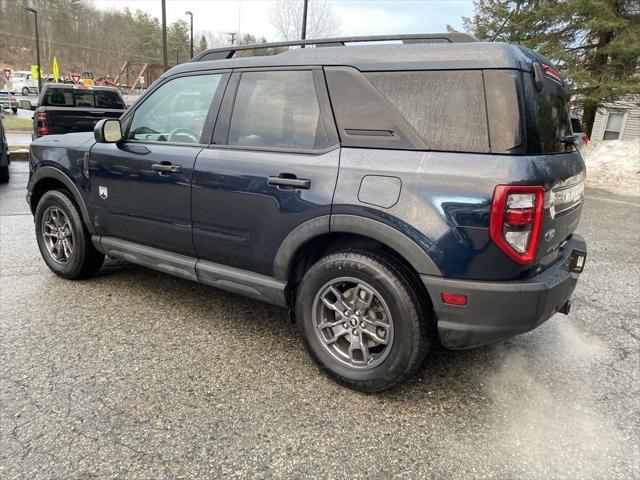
pixel 549 114
pixel 66 97
pixel 445 108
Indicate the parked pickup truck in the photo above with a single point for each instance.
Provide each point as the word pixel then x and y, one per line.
pixel 74 108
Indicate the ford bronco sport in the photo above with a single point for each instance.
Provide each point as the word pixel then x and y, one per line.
pixel 391 196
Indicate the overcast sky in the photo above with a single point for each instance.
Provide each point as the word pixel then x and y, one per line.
pixel 357 17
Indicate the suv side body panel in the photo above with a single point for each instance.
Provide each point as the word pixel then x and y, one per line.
pixel 445 200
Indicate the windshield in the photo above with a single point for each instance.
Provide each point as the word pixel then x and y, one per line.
pixel 59 97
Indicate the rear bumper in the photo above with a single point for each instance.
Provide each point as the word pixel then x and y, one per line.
pixel 499 310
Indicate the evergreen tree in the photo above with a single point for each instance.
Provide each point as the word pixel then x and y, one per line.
pixel 178 39
pixel 202 45
pixel 596 43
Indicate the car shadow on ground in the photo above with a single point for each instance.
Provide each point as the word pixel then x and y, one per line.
pixel 458 373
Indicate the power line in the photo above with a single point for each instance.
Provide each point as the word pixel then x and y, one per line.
pixel 74 45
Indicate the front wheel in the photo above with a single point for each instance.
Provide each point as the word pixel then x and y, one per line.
pixel 64 242
pixel 25 91
pixel 361 320
pixel 14 110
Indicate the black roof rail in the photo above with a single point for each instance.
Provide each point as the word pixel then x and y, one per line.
pixel 230 51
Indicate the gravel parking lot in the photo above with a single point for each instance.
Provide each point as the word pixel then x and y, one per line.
pixel 136 374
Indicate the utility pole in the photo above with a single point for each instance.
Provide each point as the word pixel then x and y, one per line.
pixel 233 37
pixel 35 16
pixel 165 62
pixel 177 58
pixel 191 15
pixel 304 19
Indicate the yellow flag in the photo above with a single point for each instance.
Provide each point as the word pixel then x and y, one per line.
pixel 54 69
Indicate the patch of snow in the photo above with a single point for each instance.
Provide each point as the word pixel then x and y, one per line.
pixel 614 165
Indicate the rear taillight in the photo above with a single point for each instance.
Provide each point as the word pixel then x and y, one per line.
pixel 14 99
pixel 516 219
pixel 585 138
pixel 43 126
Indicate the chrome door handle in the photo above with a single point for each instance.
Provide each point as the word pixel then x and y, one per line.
pixel 160 167
pixel 301 183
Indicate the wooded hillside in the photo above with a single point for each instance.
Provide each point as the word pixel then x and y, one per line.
pixel 82 37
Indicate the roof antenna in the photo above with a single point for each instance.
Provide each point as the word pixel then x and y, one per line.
pixel 505 21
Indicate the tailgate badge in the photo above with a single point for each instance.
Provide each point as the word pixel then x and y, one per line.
pixel 104 193
pixel 548 236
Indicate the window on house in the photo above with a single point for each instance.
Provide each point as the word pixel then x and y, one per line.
pixel 613 129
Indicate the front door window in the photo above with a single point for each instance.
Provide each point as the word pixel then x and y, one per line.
pixel 175 112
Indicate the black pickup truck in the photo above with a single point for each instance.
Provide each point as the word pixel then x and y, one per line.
pixel 74 108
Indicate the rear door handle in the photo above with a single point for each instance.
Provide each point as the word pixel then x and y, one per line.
pixel 164 168
pixel 301 183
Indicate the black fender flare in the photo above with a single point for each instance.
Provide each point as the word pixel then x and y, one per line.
pixel 50 172
pixel 416 256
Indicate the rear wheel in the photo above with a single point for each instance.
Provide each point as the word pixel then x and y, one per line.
pixel 361 320
pixel 25 91
pixel 64 242
pixel 14 110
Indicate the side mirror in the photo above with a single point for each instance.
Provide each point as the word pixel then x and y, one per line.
pixel 27 105
pixel 108 130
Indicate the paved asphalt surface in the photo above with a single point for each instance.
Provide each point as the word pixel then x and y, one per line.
pixel 136 374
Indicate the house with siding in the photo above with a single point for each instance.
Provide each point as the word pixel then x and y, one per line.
pixel 618 121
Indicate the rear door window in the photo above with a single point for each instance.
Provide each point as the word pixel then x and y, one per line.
pixel 446 108
pixel 277 109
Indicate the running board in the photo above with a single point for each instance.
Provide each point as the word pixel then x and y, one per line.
pixel 234 280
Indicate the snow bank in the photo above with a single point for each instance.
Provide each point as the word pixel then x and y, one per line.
pixel 614 165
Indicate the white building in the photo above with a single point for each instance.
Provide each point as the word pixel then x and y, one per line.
pixel 618 121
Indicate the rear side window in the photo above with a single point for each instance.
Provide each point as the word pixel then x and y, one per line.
pixel 445 108
pixel 277 109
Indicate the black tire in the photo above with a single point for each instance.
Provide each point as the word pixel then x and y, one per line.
pixel 25 91
pixel 410 334
pixel 84 259
pixel 4 174
pixel 14 110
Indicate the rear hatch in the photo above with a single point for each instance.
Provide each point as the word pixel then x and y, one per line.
pixel 557 164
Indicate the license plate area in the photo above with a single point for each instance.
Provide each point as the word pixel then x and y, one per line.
pixel 578 259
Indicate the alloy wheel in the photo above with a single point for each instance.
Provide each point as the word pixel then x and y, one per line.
pixel 57 234
pixel 353 322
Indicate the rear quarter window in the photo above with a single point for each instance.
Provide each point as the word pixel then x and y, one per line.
pixel 447 109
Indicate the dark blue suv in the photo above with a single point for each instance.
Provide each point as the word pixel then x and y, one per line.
pixel 391 196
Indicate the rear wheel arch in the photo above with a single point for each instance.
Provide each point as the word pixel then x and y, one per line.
pixel 49 178
pixel 321 233
pixel 302 248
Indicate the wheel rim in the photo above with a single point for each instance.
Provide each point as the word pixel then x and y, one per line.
pixel 353 322
pixel 57 234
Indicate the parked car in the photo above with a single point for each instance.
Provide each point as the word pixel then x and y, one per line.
pixel 8 101
pixel 22 82
pixel 582 139
pixel 74 108
pixel 390 196
pixel 4 153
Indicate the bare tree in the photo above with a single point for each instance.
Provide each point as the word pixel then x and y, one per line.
pixel 286 17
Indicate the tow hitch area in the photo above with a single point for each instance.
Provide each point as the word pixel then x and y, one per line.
pixel 566 308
